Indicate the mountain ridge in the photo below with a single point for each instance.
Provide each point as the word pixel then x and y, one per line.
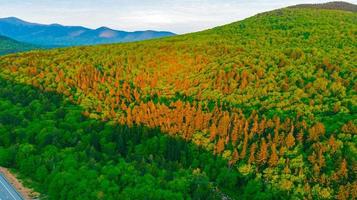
pixel 61 35
pixel 334 5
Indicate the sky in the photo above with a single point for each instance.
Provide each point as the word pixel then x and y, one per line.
pixel 179 16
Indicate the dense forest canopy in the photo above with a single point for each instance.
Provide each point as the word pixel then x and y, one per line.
pixel 273 96
pixel 69 156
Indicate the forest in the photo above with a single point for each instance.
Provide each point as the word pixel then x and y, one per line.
pixel 69 156
pixel 8 46
pixel 263 108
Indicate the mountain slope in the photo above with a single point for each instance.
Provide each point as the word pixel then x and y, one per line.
pixel 274 95
pixel 68 152
pixel 58 35
pixel 8 45
pixel 336 5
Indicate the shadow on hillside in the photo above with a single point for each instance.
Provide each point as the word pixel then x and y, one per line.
pixel 69 156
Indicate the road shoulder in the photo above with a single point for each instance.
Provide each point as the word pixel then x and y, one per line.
pixel 27 193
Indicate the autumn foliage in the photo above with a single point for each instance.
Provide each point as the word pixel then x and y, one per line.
pixel 273 97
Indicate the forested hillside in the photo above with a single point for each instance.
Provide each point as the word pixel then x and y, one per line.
pixel 8 45
pixel 69 156
pixel 272 99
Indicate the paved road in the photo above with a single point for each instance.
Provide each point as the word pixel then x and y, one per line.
pixel 7 191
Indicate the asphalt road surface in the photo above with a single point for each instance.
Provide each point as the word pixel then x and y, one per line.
pixel 7 191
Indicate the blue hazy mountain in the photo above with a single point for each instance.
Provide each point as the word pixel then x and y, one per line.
pixel 59 35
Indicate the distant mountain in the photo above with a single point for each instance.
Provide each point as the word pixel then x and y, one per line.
pixel 8 45
pixel 58 35
pixel 336 5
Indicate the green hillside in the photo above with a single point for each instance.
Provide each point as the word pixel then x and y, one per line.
pixel 8 46
pixel 272 99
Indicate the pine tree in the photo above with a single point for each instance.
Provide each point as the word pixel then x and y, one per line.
pixel 252 153
pixel 223 125
pixel 129 118
pixel 300 136
pixel 235 157
pixel 213 132
pixel 245 140
pixel 220 146
pixel 321 160
pixel 332 143
pixel 263 153
pixel 255 127
pixel 273 160
pixel 290 139
pixel 316 131
pixel 343 193
pixel 235 133
pixel 343 169
pixel 287 167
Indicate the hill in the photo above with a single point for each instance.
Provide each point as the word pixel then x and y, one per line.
pixel 272 99
pixel 336 5
pixel 8 45
pixel 58 35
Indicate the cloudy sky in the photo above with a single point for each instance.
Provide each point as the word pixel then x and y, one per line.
pixel 179 16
